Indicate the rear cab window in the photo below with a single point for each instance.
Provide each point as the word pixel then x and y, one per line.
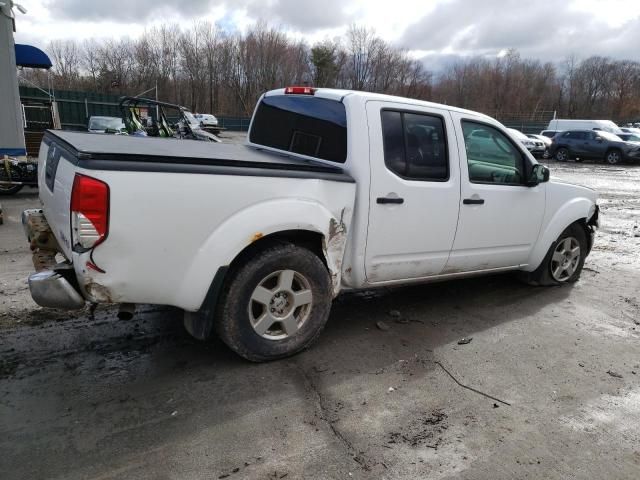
pixel 415 146
pixel 303 124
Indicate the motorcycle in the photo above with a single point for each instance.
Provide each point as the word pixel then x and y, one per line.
pixel 16 174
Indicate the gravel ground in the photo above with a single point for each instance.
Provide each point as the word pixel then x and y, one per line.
pixel 553 376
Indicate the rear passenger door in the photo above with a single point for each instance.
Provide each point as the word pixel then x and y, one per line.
pixel 414 191
pixel 580 144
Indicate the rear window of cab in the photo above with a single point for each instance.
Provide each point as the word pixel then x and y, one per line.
pixel 307 125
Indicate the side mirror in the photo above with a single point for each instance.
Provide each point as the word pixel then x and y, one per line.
pixel 599 139
pixel 539 174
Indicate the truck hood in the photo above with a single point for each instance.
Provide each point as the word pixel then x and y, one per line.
pixel 570 190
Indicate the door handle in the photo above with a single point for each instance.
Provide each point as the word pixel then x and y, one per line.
pixel 395 200
pixel 473 201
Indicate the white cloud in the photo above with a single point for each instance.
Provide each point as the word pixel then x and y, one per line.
pixel 546 29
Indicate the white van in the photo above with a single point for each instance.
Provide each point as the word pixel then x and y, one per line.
pixel 562 125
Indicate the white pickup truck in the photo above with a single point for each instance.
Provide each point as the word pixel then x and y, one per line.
pixel 334 190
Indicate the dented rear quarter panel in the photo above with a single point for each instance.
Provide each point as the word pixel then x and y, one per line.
pixel 169 233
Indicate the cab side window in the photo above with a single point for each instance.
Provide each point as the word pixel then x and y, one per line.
pixel 415 145
pixel 491 156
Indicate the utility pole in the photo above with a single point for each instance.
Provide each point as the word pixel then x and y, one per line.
pixel 11 126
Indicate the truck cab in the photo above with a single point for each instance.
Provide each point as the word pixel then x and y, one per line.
pixel 334 190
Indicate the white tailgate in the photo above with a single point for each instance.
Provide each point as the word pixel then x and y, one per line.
pixel 55 184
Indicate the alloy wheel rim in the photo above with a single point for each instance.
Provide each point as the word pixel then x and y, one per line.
pixel 613 158
pixel 280 304
pixel 565 259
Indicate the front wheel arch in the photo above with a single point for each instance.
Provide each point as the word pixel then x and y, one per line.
pixel 542 275
pixel 613 151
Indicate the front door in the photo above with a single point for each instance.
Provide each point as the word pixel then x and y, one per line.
pixel 594 148
pixel 500 217
pixel 414 191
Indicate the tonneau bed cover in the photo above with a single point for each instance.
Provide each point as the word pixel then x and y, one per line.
pixel 128 153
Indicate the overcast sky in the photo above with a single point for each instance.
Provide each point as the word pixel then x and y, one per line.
pixel 435 29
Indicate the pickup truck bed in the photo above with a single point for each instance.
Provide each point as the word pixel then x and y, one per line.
pixel 139 154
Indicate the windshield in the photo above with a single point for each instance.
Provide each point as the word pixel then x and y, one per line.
pixel 106 123
pixel 609 136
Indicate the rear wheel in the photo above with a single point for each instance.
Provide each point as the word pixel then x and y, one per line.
pixel 562 154
pixel 275 304
pixel 613 157
pixel 564 260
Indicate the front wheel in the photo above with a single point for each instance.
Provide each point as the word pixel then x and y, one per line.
pixel 564 260
pixel 613 157
pixel 275 304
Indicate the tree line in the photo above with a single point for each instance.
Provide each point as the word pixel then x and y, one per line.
pixel 210 70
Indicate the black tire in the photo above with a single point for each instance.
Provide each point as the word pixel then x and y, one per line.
pixel 562 154
pixel 235 309
pixel 613 156
pixel 10 189
pixel 544 275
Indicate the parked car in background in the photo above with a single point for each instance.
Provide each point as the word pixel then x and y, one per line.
pixel 536 147
pixel 546 141
pixel 206 119
pixel 335 190
pixel 633 130
pixel 594 145
pixel 630 137
pixel 562 124
pixel 550 133
pixel 99 124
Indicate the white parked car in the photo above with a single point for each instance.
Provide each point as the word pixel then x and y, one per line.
pixel 569 124
pixel 206 119
pixel 536 147
pixel 546 142
pixel 98 124
pixel 335 190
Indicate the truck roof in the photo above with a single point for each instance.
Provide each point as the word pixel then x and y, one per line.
pixel 339 95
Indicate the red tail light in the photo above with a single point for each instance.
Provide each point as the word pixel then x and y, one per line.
pixel 89 211
pixel 300 90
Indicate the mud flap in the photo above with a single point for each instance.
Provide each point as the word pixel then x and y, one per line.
pixel 200 324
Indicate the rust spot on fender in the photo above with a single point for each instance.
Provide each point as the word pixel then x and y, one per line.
pixel 256 236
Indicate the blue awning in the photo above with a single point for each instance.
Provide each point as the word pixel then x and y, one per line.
pixel 12 152
pixel 31 57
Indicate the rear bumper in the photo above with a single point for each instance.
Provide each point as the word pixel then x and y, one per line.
pixel 53 284
pixel 49 288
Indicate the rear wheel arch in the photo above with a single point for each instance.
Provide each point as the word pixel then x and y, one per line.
pixel 235 320
pixel 200 324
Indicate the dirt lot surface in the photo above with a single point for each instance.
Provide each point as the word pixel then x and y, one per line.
pixel 554 376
